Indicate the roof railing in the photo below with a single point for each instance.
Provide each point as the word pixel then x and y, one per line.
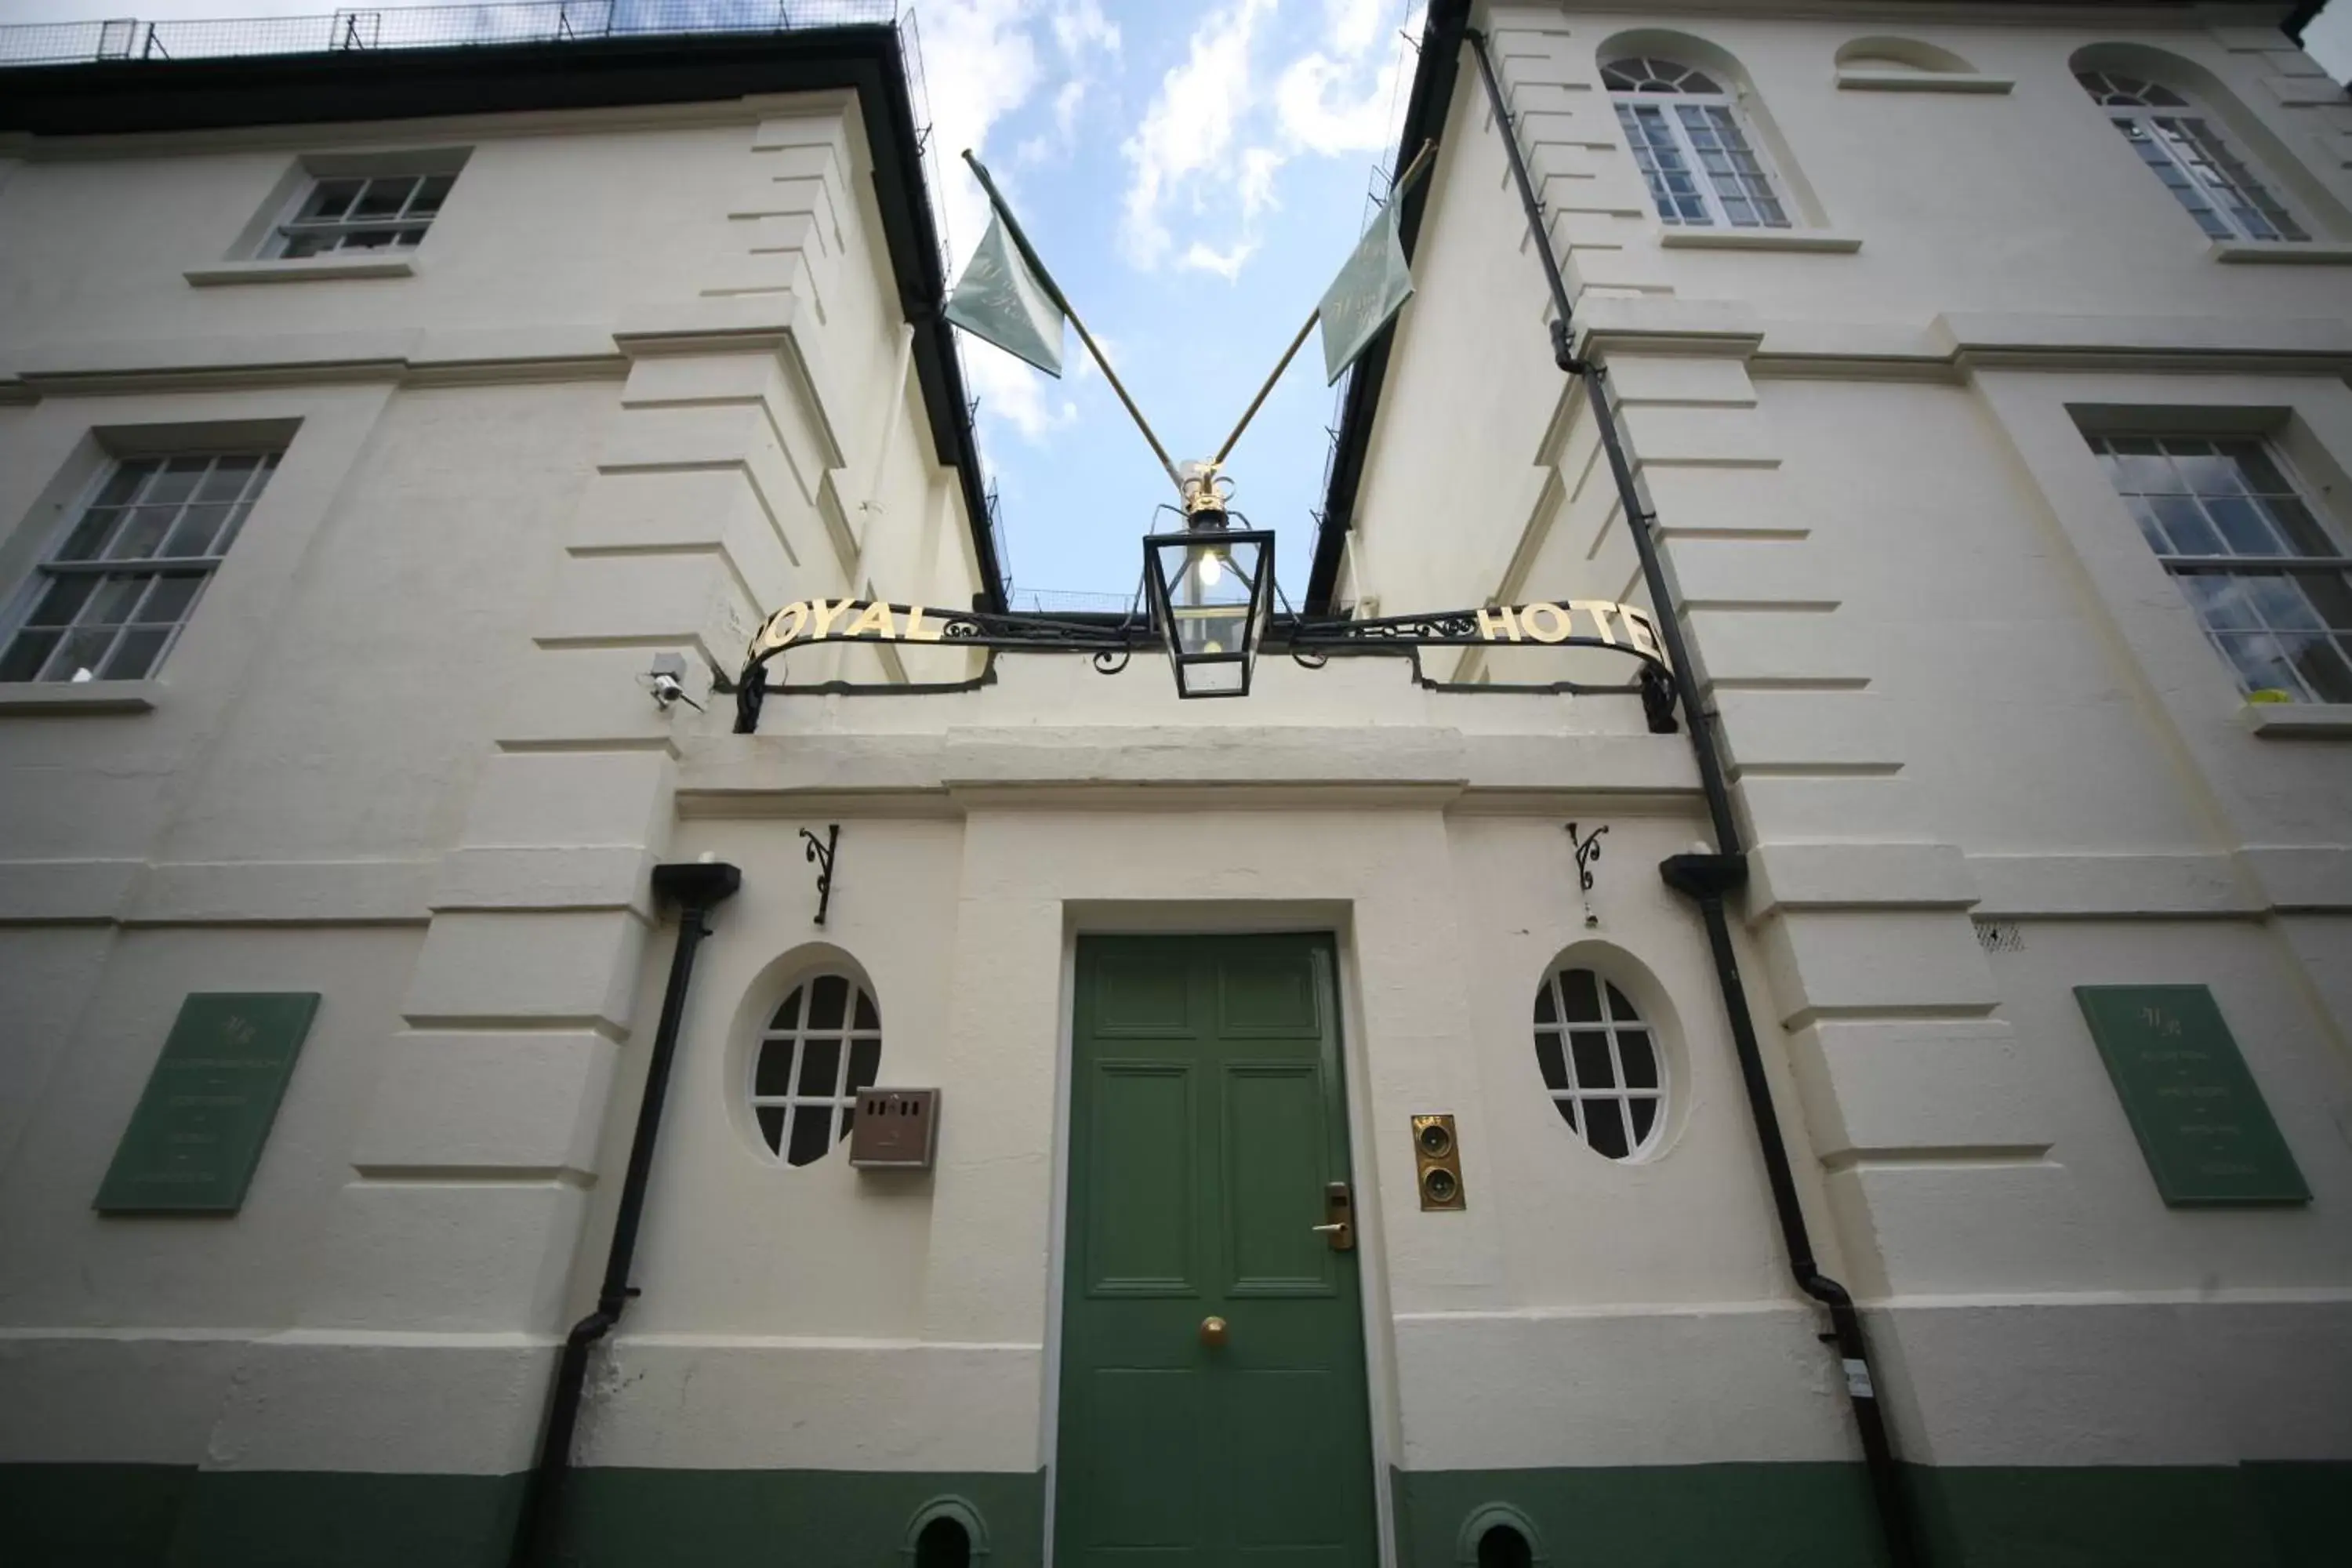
pixel 424 27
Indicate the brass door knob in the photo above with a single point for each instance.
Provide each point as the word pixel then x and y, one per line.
pixel 1213 1331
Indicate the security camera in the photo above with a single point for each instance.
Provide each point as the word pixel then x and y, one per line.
pixel 668 684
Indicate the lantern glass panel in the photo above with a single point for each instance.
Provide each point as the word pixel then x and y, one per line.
pixel 1210 593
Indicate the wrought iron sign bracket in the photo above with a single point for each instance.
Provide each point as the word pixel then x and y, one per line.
pixel 1575 623
pixel 820 854
pixel 1588 851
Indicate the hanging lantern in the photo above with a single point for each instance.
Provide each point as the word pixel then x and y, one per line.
pixel 1211 590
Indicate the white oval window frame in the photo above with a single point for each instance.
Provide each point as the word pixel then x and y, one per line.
pixel 1617 967
pixel 769 991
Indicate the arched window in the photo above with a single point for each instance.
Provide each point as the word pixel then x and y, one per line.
pixel 1701 168
pixel 2182 144
pixel 819 1050
pixel 1599 1062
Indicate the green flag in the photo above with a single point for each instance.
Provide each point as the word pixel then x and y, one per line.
pixel 999 299
pixel 1373 287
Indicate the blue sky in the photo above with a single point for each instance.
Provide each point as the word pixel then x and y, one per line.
pixel 1194 174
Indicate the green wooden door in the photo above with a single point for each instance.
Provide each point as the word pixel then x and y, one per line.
pixel 1206 1117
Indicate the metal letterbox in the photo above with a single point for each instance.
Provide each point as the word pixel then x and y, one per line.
pixel 896 1129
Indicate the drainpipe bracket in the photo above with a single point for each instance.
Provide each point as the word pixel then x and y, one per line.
pixel 697 884
pixel 1705 877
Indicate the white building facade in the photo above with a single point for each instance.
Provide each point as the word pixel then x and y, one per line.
pixel 374 425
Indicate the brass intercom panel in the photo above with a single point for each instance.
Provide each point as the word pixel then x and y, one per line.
pixel 1437 1161
pixel 896 1129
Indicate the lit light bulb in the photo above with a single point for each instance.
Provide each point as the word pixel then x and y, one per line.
pixel 1211 568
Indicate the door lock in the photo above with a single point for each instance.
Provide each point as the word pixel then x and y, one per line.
pixel 1339 1217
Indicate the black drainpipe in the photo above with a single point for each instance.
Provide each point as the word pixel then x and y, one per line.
pixel 697 887
pixel 1705 880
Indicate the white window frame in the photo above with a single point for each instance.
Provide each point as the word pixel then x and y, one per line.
pixel 1618 1019
pixel 1677 100
pixel 127 587
pixel 835 1100
pixel 2263 596
pixel 340 234
pixel 2181 143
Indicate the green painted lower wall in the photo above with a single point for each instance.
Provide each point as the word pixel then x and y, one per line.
pixel 794 1519
pixel 1816 1515
pixel 2282 1515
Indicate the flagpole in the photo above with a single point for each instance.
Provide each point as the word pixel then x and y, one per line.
pixel 1021 243
pixel 1405 181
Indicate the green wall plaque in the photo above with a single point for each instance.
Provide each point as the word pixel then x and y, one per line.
pixel 192 1143
pixel 2201 1121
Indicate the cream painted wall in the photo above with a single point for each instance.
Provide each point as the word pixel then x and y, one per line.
pixel 1952 681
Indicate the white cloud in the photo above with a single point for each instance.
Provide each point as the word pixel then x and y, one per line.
pixel 1226 264
pixel 1205 159
pixel 978 65
pixel 1015 393
pixel 1080 26
pixel 1345 101
pixel 1181 150
pixel 1256 184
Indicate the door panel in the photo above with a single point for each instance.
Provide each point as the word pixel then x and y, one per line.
pixel 1207 1115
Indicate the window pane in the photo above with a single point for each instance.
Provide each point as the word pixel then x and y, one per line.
pixel 384 197
pixel 772 1124
pixel 194 533
pixel 2331 593
pixel 826 999
pixel 1549 1062
pixel 1590 1050
pixel 866 1018
pixel 811 1133
pixel 2244 527
pixel 774 1072
pixel 112 603
pixel 60 604
pixel 1620 1009
pixel 865 1063
pixel 27 653
pixel 84 647
pixel 176 483
pixel 788 1016
pixel 2207 474
pixel 2261 663
pixel 135 655
pixel 820 1067
pixel 2321 664
pixel 1546 1012
pixel 367 239
pixel 2280 599
pixel 141 533
pixel 124 483
pixel 431 194
pixel 1604 1128
pixel 331 199
pixel 227 479
pixel 1645 1116
pixel 2224 601
pixel 2303 531
pixel 1567 1109
pixel 89 535
pixel 1640 1056
pixel 301 245
pixel 2186 526
pixel 1579 997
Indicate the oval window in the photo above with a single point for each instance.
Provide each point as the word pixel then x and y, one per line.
pixel 819 1049
pixel 1600 1063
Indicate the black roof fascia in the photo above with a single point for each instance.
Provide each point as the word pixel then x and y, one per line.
pixel 119 97
pixel 1426 112
pixel 1424 118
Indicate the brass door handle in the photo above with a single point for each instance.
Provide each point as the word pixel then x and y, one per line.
pixel 1213 1331
pixel 1341 1234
